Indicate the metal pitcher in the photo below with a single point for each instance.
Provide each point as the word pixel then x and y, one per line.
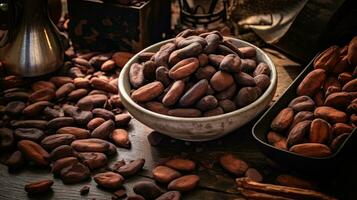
pixel 32 45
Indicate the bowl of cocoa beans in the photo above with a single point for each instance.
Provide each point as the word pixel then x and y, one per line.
pixel 198 87
pixel 312 127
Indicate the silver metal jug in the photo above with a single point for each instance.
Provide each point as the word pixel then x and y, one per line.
pixel 32 45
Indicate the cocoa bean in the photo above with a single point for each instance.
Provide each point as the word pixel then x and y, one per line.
pixel 32 134
pixel 311 83
pixel 59 122
pixel 131 168
pixel 171 195
pixel 191 39
pixel 42 95
pixel 248 52
pixel 352 52
pixel 248 65
pixel 221 81
pixel 320 131
pixel 184 112
pixel 75 173
pixel 247 95
pixel 338 141
pixel 338 100
pixel 64 90
pixel 120 137
pixel 62 151
pixel 233 164
pixel 136 75
pixel 302 103
pixel 104 130
pixel 298 132
pixel 302 116
pixel 254 175
pixel 227 93
pixel 350 86
pixel 191 50
pixel 345 77
pixel 315 150
pixel 213 112
pixel 93 160
pixel 108 65
pixel 43 85
pixel 7 139
pixel 51 113
pixel 229 44
pixel 194 94
pixel 161 58
pixel 92 101
pixel 16 96
pixel 215 60
pixel 244 79
pixel 109 180
pixel 230 63
pixel 145 56
pixel 331 81
pixel 184 68
pixel 78 133
pixel 121 58
pixel 14 108
pixel 98 60
pixel 227 105
pixel 164 174
pixel 262 68
pixel 212 43
pixel 79 116
pixel 77 94
pixel 277 140
pixel 34 152
pixel 327 59
pixel 58 81
pixel 81 82
pixel 53 141
pixel 205 72
pixel 162 75
pixel 202 59
pixel 147 189
pixel 94 123
pixel 38 187
pixel 330 114
pixel 341 128
pixel 181 164
pixel 148 92
pixel 103 113
pixel 319 98
pixel 122 120
pixel 262 81
pixel 184 183
pixel 157 107
pixel 101 84
pixel 36 108
pixel 16 161
pixel 207 103
pixel 149 70
pixel 61 163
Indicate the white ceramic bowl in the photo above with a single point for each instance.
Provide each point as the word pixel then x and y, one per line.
pixel 202 128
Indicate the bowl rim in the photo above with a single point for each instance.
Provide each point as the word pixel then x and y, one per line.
pixel 267 92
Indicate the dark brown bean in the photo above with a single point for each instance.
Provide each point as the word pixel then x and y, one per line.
pixel 181 164
pixel 122 120
pixel 184 183
pixel 79 116
pixel 185 112
pixel 78 133
pixel 147 189
pixel 59 122
pixel 215 60
pixel 164 174
pixel 148 92
pixel 136 75
pixel 103 113
pixel 243 79
pixel 64 90
pixel 221 81
pixel 6 139
pixel 212 43
pixel 109 180
pixel 231 63
pixel 33 152
pixel 32 134
pixel 248 52
pixel 77 94
pixel 36 108
pixel 91 101
pixel 184 68
pixel 302 103
pixel 39 187
pixel 120 137
pixel 16 161
pixel 191 50
pixel 194 94
pixel 104 130
pixel 247 95
pixel 174 93
pixel 207 103
pixel 213 112
pixel 93 160
pixel 53 141
pixel 248 65
pixel 44 94
pixel 40 124
pixel 61 152
pixel 61 163
pixel 161 58
pixel 233 164
pixel 157 107
pixel 298 132
pixel 262 81
pixel 262 68
pixel 75 173
pixel 131 168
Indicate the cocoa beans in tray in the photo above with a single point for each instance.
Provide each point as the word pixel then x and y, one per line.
pixel 322 116
pixel 198 76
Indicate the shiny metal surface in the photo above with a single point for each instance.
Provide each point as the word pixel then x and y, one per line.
pixel 32 46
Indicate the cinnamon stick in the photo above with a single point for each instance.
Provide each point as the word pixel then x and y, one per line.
pixel 284 191
pixel 253 195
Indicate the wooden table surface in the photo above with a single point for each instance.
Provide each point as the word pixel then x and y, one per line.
pixel 215 183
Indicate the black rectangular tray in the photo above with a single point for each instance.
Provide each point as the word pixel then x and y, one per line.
pixel 315 166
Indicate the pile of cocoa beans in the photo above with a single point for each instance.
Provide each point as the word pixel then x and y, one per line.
pixel 324 113
pixel 72 121
pixel 198 75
